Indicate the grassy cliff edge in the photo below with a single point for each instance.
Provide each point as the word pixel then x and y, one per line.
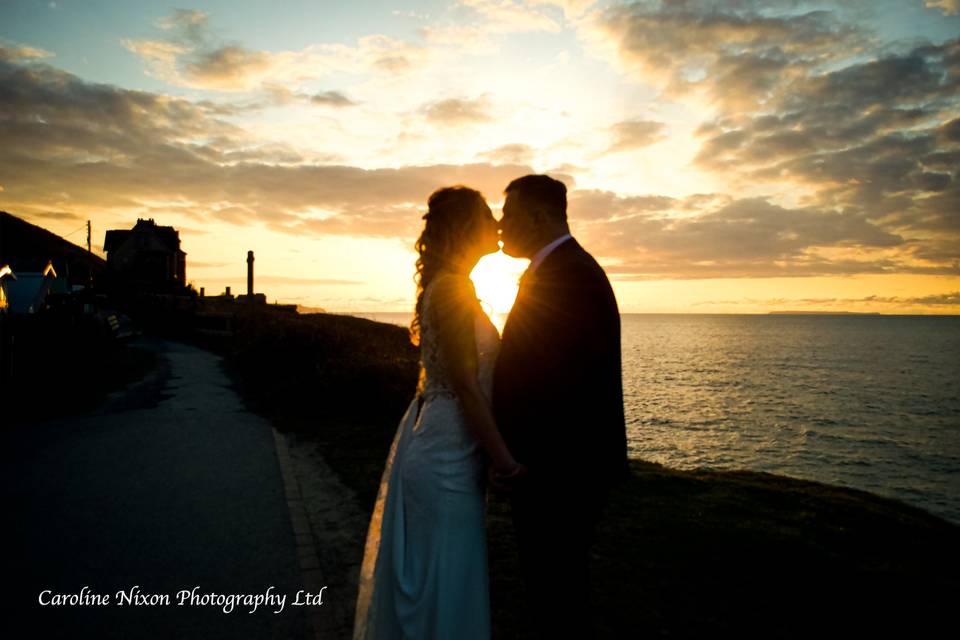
pixel 679 553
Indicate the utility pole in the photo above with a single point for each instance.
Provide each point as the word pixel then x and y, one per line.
pixel 90 265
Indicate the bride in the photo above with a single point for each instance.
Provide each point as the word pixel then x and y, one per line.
pixel 424 572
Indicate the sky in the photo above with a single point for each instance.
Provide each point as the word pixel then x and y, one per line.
pixel 733 156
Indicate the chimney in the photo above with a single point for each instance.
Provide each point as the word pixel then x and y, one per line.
pixel 228 292
pixel 250 274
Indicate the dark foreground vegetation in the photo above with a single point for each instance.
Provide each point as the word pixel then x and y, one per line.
pixel 60 363
pixel 343 381
pixel 680 553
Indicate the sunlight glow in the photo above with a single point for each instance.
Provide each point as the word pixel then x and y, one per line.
pixel 495 278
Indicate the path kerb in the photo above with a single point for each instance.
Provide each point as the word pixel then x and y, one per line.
pixel 307 557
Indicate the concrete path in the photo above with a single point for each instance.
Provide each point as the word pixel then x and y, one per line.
pixel 172 485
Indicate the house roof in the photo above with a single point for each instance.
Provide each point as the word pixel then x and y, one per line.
pixel 150 234
pixel 27 247
pixel 114 239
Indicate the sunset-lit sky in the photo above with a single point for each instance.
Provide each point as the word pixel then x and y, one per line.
pixel 732 156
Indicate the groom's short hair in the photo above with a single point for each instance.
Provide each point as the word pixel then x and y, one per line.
pixel 542 190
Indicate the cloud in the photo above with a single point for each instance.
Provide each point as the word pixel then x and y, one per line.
pixel 56 215
pixel 714 236
pixel 948 7
pixel 189 24
pixel 510 153
pixel 161 56
pixel 229 67
pixel 489 20
pixel 879 138
pixel 189 55
pixel 278 95
pixel 85 148
pixel 49 113
pixel 636 134
pixel 738 53
pixel 808 103
pixel 471 39
pixel 332 99
pixel 593 204
pixel 935 300
pixel 457 111
pixel 507 16
pixel 481 30
pixel 73 145
pixel 943 298
pixel 572 9
pixel 21 53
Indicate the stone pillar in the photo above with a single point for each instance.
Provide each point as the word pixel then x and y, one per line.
pixel 250 274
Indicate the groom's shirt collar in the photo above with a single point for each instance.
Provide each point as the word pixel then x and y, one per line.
pixel 542 254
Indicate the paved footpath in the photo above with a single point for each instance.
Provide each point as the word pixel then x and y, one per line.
pixel 173 484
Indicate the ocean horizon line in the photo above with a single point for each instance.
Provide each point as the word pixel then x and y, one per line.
pixel 681 313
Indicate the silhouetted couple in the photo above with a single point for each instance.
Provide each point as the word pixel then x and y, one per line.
pixel 538 414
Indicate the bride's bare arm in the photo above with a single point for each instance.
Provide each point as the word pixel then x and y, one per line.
pixel 454 307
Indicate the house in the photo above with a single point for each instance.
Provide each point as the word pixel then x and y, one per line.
pixel 147 256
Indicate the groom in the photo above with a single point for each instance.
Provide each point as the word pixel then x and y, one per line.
pixel 558 400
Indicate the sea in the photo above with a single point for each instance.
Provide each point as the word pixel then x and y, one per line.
pixel 870 402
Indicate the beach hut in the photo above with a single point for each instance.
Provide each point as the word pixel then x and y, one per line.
pixel 27 293
pixel 6 274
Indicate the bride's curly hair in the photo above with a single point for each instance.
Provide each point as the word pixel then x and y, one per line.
pixel 451 221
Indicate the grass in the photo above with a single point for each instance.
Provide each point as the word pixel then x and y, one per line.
pixel 342 381
pixel 702 553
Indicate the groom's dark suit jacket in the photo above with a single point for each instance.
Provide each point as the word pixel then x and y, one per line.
pixel 557 390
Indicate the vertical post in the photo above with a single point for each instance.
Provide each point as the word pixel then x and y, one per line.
pixel 249 275
pixel 89 262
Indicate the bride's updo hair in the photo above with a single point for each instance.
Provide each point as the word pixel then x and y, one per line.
pixel 451 222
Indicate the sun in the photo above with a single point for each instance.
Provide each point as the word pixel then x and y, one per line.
pixel 495 278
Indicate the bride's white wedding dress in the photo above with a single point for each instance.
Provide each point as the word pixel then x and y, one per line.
pixel 424 572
